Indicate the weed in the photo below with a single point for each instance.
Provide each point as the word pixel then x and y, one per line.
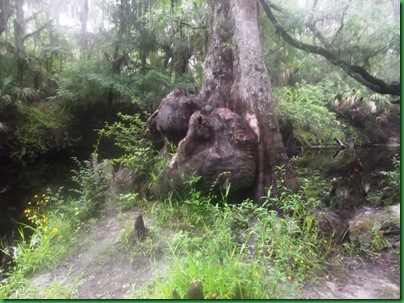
pixel 126 236
pixel 46 237
pixel 128 133
pixel 128 200
pixel 93 183
pixel 239 251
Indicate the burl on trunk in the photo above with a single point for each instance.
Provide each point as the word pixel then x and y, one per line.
pixel 229 131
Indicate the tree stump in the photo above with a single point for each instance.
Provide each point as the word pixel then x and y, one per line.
pixel 140 231
pixel 195 290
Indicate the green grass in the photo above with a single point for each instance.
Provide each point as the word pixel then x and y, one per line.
pixel 238 251
pixel 54 226
pixel 53 223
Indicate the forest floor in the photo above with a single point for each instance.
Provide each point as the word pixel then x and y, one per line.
pixel 101 266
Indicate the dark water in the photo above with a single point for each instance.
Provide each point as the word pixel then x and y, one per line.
pixel 18 184
pixel 351 174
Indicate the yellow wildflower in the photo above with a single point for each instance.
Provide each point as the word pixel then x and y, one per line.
pixel 36 196
pixel 60 237
pixel 54 230
pixel 43 195
pixel 45 228
pixel 282 220
pixel 45 237
pixel 257 274
pixel 289 278
pixel 297 259
pixel 325 241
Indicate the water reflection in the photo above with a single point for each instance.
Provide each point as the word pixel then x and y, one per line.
pixel 19 183
pixel 351 175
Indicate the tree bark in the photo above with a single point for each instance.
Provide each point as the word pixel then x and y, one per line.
pixel 236 78
pixel 19 33
pixel 83 31
pixel 5 14
pixel 233 134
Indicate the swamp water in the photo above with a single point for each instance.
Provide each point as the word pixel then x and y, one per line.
pixel 352 178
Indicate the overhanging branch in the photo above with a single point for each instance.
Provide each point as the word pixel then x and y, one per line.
pixel 37 31
pixel 356 72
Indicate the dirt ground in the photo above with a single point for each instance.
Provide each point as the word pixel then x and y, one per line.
pixel 364 279
pixel 100 266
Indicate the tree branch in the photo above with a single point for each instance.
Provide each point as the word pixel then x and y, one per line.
pixel 37 31
pixel 30 18
pixel 8 46
pixel 342 23
pixel 356 72
pixel 189 25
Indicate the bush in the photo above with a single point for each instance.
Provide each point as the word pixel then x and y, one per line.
pixel 137 153
pixel 239 251
pixel 390 193
pixel 304 110
pixel 40 130
pixel 93 180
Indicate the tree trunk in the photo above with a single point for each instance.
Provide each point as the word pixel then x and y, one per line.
pixel 5 14
pixel 235 102
pixel 19 33
pixel 83 31
pixel 235 73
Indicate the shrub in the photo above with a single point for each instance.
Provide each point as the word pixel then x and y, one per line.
pixel 390 193
pixel 137 153
pixel 239 251
pixel 40 129
pixel 304 110
pixel 93 180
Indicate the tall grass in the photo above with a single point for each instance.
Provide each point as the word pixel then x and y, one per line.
pixel 238 251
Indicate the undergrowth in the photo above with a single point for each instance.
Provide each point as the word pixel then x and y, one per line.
pixel 53 221
pixel 238 251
